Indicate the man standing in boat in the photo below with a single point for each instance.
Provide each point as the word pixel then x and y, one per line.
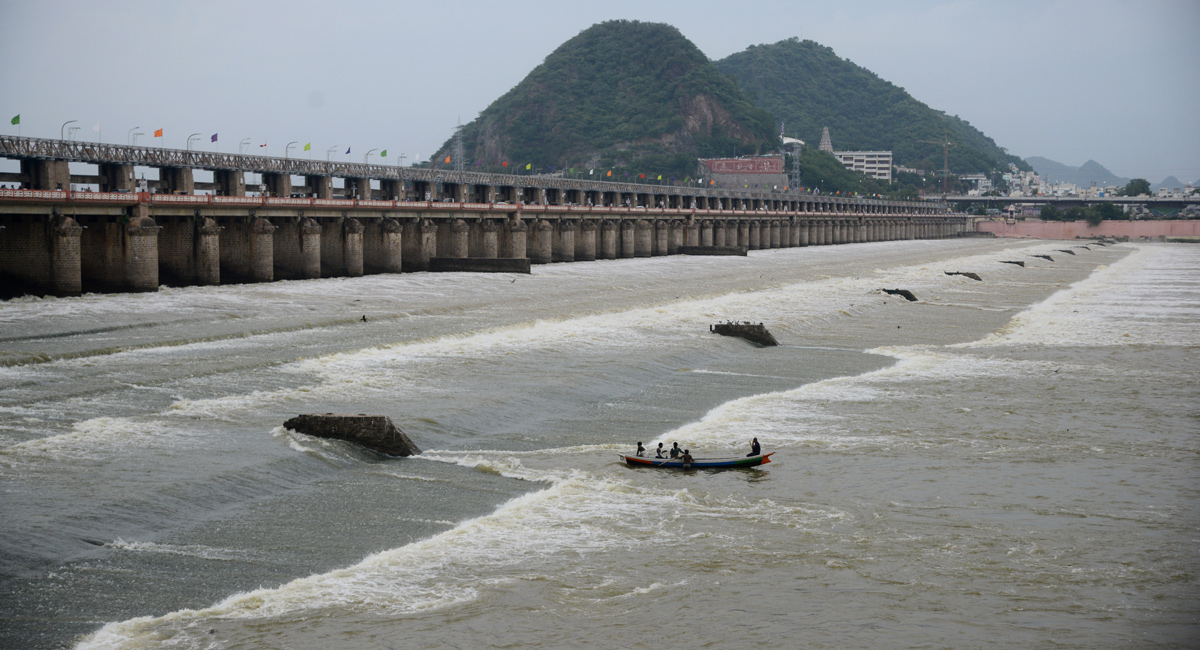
pixel 755 449
pixel 687 459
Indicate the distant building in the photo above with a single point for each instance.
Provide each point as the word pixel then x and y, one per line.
pixel 762 172
pixel 876 164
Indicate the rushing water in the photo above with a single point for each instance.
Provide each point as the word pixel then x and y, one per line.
pixel 1010 462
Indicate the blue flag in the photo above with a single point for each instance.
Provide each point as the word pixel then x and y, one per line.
pixel 214 137
pixel 347 149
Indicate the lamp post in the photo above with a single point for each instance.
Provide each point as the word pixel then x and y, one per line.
pixel 242 146
pixel 135 137
pixel 189 140
pixel 72 131
pixel 329 154
pixel 368 155
pixel 288 148
pixel 402 157
pixel 62 131
pixel 129 135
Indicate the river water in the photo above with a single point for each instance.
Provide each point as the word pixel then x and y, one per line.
pixel 1010 462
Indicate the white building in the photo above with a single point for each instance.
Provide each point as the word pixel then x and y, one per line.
pixel 876 164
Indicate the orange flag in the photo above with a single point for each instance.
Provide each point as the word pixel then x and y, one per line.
pixel 609 173
pixel 504 164
pixel 447 160
pixel 158 133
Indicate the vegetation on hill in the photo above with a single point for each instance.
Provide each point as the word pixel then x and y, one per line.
pixel 807 86
pixel 627 95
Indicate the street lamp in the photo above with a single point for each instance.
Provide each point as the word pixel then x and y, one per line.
pixel 129 136
pixel 189 140
pixel 329 154
pixel 242 146
pixel 288 148
pixel 135 137
pixel 402 157
pixel 368 155
pixel 72 131
pixel 62 131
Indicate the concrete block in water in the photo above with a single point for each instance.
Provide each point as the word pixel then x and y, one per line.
pixel 375 432
pixel 756 334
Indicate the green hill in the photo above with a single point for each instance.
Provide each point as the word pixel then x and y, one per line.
pixel 807 86
pixel 625 94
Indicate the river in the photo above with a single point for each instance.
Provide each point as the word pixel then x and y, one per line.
pixel 1006 462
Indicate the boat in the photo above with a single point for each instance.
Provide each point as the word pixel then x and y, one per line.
pixel 735 462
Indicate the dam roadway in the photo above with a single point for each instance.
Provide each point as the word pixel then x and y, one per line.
pixel 385 219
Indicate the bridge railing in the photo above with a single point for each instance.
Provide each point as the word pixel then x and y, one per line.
pixel 102 153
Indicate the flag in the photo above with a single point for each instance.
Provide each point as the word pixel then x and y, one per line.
pixel 504 164
pixel 214 137
pixel 712 182
pixel 347 150
pixel 591 171
pixel 609 173
pixel 447 160
pixel 528 166
pixel 642 176
pixel 96 127
pixel 383 154
pixel 158 133
pixel 660 177
pixel 262 145
pixel 479 163
pixel 572 170
pixel 16 119
pixel 307 146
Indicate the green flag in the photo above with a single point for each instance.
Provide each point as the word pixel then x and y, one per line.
pixel 308 146
pixel 383 154
pixel 16 119
pixel 529 166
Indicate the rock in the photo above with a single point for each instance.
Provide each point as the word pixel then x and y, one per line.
pixel 968 274
pixel 1045 257
pixel 375 432
pixel 1067 251
pixel 1020 264
pixel 756 334
pixel 908 295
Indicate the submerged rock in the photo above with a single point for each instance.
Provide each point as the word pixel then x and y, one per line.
pixel 1018 263
pixel 1066 250
pixel 1045 257
pixel 375 432
pixel 756 334
pixel 966 274
pixel 908 295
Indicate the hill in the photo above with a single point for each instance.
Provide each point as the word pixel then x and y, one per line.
pixel 622 94
pixel 807 86
pixel 1083 176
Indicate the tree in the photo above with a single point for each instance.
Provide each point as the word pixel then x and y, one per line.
pixel 1136 187
pixel 1051 213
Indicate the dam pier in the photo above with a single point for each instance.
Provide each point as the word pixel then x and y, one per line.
pixel 385 219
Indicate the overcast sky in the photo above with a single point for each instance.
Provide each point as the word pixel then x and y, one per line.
pixel 1071 80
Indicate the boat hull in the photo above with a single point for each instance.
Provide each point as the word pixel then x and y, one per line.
pixel 698 463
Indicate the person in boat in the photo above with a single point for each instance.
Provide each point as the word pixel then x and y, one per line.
pixel 675 450
pixel 755 449
pixel 658 453
pixel 687 459
pixel 641 451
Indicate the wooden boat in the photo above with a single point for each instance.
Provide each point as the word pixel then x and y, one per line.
pixel 735 462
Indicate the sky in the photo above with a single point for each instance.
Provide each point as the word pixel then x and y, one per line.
pixel 1116 81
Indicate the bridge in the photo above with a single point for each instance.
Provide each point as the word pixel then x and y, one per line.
pixel 1068 201
pixel 59 241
